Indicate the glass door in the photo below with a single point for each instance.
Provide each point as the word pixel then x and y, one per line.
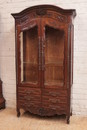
pixel 29 57
pixel 54 57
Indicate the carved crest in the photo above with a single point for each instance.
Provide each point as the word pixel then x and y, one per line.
pixel 41 12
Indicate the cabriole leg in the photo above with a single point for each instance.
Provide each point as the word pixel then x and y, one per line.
pixel 71 113
pixel 18 112
pixel 68 119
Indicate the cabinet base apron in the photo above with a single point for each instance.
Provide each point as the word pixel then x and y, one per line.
pixel 45 113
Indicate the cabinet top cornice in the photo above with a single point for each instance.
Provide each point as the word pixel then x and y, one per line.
pixel 69 12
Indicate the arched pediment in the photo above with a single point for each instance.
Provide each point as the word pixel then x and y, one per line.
pixel 42 10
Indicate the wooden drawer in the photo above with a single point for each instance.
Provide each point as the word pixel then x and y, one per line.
pixel 54 92
pixel 49 99
pixel 54 99
pixel 29 97
pixel 55 103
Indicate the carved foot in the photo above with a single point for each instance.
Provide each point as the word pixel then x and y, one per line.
pixel 4 106
pixel 68 119
pixel 71 114
pixel 18 113
pixel 2 103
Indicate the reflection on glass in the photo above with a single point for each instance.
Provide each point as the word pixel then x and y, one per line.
pixel 54 57
pixel 29 56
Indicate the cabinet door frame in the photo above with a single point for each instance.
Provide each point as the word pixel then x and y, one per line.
pixel 54 24
pixel 20 28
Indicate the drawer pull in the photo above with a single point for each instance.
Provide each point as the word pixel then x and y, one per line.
pixel 29 92
pixel 54 101
pixel 53 108
pixel 56 107
pixel 53 94
pixel 28 99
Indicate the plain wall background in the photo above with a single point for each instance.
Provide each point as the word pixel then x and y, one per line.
pixel 7 49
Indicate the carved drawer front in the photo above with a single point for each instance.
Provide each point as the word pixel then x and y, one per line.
pixel 21 95
pixel 55 92
pixel 33 97
pixel 30 97
pixel 54 99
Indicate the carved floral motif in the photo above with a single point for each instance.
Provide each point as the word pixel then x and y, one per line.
pixel 59 17
pixel 41 12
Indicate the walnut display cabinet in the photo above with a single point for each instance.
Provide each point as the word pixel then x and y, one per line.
pixel 44 60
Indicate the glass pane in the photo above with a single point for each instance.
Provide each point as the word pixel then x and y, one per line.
pixel 29 56
pixel 54 57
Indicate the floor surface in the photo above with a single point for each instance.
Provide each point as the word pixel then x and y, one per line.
pixel 27 121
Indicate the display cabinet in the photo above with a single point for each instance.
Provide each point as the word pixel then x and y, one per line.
pixel 44 60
